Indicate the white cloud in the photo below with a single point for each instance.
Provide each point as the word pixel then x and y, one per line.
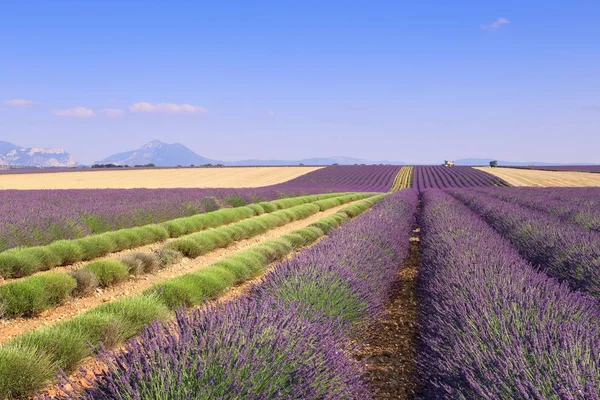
pixel 496 24
pixel 81 112
pixel 169 108
pixel 113 112
pixel 19 103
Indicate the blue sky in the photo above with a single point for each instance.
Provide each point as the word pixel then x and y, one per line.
pixel 397 80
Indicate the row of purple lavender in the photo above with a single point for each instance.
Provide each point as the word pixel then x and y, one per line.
pixel 494 327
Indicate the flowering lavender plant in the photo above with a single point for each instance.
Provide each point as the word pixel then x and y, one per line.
pixel 492 327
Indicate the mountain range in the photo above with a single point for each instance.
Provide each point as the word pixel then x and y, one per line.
pixel 176 154
pixel 171 155
pixel 11 154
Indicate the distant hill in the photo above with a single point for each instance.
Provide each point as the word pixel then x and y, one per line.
pixel 159 154
pixel 170 155
pixel 19 156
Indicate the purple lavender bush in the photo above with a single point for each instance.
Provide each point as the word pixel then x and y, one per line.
pixel 345 178
pixel 238 350
pixel 564 251
pixel 492 327
pixel 437 176
pixel 580 206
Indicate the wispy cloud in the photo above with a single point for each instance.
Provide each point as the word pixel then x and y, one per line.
pixel 497 24
pixel 168 108
pixel 113 112
pixel 80 112
pixel 19 103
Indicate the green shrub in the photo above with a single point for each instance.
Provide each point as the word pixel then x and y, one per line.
pixel 46 258
pixel 295 239
pixel 135 312
pixel 253 260
pixel 23 370
pixel 268 207
pixel 17 263
pixel 96 246
pixel 57 286
pixel 66 348
pixel 237 268
pixel 22 298
pixel 257 209
pixel 30 296
pixel 97 328
pixel 281 247
pixel 68 251
pixel 108 272
pixel 187 290
pixel 158 232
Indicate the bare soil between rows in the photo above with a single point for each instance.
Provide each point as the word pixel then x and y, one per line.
pixel 136 285
pixel 389 346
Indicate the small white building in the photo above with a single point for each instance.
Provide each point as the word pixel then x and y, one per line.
pixel 448 163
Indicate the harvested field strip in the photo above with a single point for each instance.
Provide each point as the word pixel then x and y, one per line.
pixel 21 262
pixel 64 344
pixel 403 179
pixel 528 177
pixel 239 177
pixel 566 252
pixel 355 265
pixel 492 327
pixel 32 295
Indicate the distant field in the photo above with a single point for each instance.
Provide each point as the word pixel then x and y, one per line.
pixel 156 179
pixel 528 177
pixel 571 168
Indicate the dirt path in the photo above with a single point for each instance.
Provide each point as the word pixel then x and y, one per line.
pixel 539 178
pixel 75 307
pixel 242 177
pixel 389 345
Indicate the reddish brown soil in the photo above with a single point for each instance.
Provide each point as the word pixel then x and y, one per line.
pixel 389 345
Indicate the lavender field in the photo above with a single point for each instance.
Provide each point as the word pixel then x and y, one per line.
pixel 344 178
pixel 457 288
pixel 38 217
pixel 440 177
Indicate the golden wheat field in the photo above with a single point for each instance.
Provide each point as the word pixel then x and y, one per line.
pixel 241 177
pixel 528 177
